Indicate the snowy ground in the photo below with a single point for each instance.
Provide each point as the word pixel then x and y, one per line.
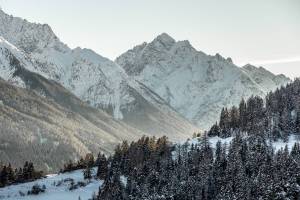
pixel 290 143
pixel 279 144
pixel 212 141
pixel 57 188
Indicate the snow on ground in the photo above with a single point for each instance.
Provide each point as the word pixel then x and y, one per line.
pixel 123 179
pixel 290 143
pixel 212 141
pixel 57 185
pixel 57 188
pixel 277 145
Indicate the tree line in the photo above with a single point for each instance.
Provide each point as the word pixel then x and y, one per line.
pixel 247 168
pixel 276 117
pixel 9 175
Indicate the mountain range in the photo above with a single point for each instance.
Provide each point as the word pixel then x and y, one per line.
pixel 196 85
pixel 88 103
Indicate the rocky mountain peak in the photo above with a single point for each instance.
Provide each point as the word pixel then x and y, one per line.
pixel 195 84
pixel 219 57
pixel 96 80
pixel 163 41
pixel 249 67
pixel 165 38
pixel 27 36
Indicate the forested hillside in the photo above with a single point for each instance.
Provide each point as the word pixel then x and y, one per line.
pixel 249 166
pixel 277 116
pixel 9 175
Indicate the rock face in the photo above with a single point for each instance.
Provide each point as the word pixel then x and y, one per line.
pixel 193 83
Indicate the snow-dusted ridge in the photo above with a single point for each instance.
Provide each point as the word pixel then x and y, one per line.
pixel 100 82
pixel 88 75
pixel 193 83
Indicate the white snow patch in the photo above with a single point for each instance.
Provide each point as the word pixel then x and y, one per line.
pixel 212 142
pixel 54 192
pixel 280 144
pixel 123 179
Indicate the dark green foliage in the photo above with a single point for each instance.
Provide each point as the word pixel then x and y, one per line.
pixel 87 173
pixel 82 163
pixel 9 176
pixel 102 164
pixel 36 189
pixel 247 168
pixel 277 118
pixel 112 189
pixel 75 186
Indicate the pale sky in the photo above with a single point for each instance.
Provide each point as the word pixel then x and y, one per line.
pixel 262 32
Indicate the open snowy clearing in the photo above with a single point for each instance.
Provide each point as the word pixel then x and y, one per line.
pixel 57 188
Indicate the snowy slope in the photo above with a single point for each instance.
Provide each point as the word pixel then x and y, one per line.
pixel 264 78
pixel 11 59
pixel 195 84
pixel 88 75
pixel 191 85
pixel 94 79
pixel 57 188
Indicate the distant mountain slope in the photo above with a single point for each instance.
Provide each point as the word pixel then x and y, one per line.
pixel 277 116
pixel 193 83
pixel 94 79
pixel 42 121
pixel 52 130
pixel 264 78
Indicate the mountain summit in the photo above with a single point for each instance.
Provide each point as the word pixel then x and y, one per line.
pixel 186 80
pixel 193 83
pixel 96 80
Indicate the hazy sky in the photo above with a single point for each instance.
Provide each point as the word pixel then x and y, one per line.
pixel 262 32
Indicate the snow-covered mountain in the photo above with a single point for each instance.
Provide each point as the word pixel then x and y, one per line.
pixel 264 78
pixel 157 87
pixel 193 83
pixel 11 59
pixel 88 75
pixel 94 79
